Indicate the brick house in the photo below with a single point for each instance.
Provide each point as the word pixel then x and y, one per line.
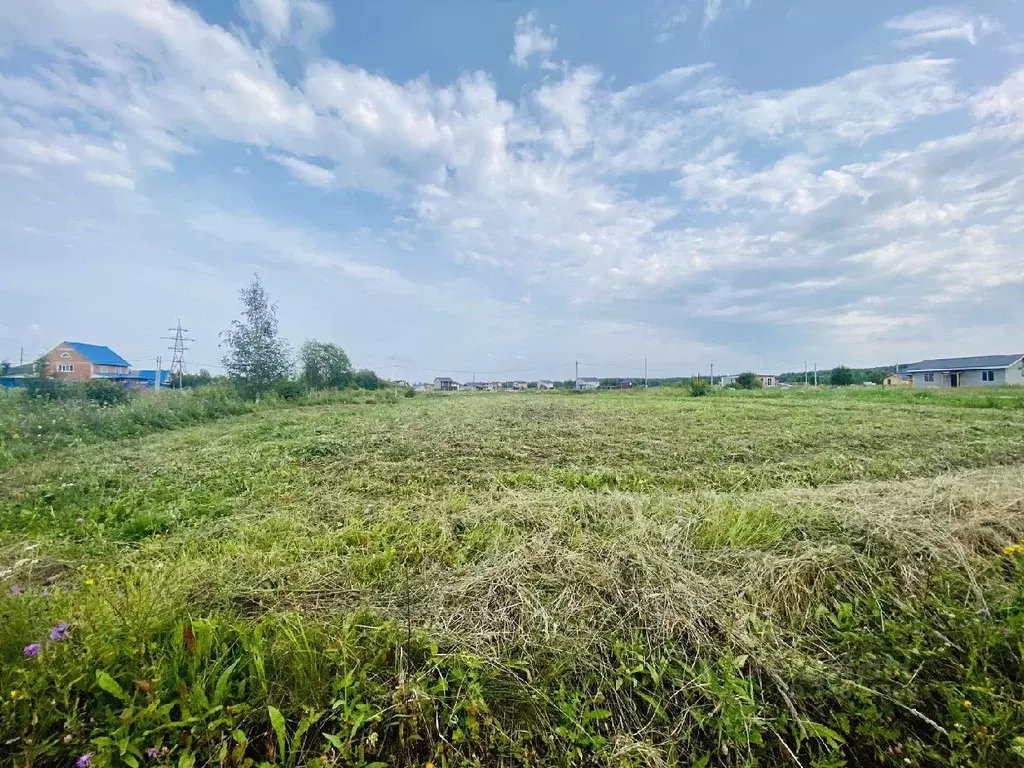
pixel 75 361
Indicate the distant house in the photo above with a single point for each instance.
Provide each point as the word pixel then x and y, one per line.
pixel 898 380
pixel 767 380
pixel 545 384
pixel 981 371
pixel 75 361
pixel 492 386
pixel 444 384
pixel 478 386
pixel 586 382
pixel 519 386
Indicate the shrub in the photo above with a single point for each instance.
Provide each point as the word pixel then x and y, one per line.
pixel 699 387
pixel 289 389
pixel 748 380
pixel 104 392
pixel 48 389
pixel 366 379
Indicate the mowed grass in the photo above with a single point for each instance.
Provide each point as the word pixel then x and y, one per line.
pixel 636 578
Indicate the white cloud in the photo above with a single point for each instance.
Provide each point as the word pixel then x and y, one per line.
pixel 676 17
pixel 314 175
pixel 531 40
pixel 1003 100
pixel 712 9
pixel 936 25
pixel 688 187
pixel 277 19
pixel 110 180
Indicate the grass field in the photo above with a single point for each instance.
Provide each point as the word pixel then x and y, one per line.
pixel 620 579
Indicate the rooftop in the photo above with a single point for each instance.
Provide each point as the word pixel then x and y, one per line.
pixel 98 355
pixel 963 363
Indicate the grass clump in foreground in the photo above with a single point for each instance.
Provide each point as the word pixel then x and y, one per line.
pixel 418 583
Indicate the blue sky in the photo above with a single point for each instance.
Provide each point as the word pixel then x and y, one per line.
pixel 505 187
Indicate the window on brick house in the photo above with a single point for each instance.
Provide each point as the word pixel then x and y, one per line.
pixel 65 367
pixel 65 355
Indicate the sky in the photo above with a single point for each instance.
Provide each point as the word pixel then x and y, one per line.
pixel 501 189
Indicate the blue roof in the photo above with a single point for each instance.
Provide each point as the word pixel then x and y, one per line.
pixel 150 376
pixel 963 363
pixel 98 355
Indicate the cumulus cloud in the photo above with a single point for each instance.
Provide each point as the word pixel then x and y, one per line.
pixel 531 40
pixel 687 189
pixel 936 25
pixel 277 19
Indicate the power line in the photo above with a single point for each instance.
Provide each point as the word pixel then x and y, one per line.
pixel 179 349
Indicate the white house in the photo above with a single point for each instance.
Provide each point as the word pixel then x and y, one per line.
pixel 545 384
pixel 587 382
pixel 767 380
pixel 444 384
pixel 981 371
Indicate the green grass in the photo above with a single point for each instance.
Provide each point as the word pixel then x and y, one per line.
pixel 33 426
pixel 616 579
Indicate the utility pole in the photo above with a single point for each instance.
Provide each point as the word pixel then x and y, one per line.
pixel 21 357
pixel 805 373
pixel 712 374
pixel 577 372
pixel 159 370
pixel 178 361
pixel 645 371
pixel 815 373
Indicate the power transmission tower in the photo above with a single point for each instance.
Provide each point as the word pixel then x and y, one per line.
pixel 178 360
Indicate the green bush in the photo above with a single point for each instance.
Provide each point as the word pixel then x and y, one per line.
pixel 104 392
pixel 747 380
pixel 699 387
pixel 48 389
pixel 289 389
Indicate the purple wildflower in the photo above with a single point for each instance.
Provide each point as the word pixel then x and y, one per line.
pixel 152 753
pixel 84 761
pixel 32 650
pixel 45 593
pixel 17 590
pixel 1004 630
pixel 985 613
pixel 60 632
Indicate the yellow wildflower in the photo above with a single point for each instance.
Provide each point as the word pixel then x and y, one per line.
pixel 1013 549
pixel 967 704
pixel 89 582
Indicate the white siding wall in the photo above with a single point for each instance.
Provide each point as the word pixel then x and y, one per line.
pixel 1003 376
pixel 1015 373
pixel 973 379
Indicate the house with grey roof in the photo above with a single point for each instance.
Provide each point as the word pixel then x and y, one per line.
pixel 980 371
pixel 445 384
